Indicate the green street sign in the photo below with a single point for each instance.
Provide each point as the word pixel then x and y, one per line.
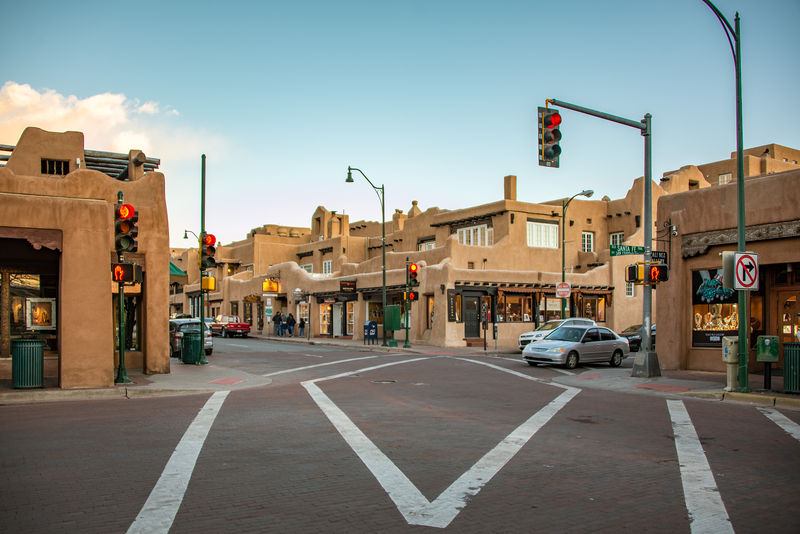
pixel 626 250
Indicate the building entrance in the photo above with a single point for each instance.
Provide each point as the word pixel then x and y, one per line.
pixel 472 316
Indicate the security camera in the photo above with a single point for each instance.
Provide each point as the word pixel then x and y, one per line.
pixel 674 232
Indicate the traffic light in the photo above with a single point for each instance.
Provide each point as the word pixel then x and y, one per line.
pixel 657 272
pixel 635 273
pixel 207 250
pixel 125 228
pixel 126 272
pixel 549 137
pixel 413 271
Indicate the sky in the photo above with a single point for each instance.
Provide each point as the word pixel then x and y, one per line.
pixel 434 100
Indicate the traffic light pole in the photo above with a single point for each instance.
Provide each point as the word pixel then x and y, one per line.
pixel 202 360
pixel 406 306
pixel 122 373
pixel 645 363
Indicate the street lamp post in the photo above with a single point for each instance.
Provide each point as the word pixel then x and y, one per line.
pixel 734 35
pixel 380 191
pixel 586 193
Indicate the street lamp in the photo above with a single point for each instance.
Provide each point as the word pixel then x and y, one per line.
pixel 734 35
pixel 380 191
pixel 586 193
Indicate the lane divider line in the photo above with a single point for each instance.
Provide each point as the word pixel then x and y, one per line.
pixel 161 507
pixel 324 364
pixel 412 504
pixel 707 513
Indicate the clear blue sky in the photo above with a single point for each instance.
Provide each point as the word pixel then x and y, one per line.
pixel 435 99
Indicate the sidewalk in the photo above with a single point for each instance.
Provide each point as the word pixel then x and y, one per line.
pixel 190 379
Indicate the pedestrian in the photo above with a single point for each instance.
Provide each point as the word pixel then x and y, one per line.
pixel 302 327
pixel 276 321
pixel 290 322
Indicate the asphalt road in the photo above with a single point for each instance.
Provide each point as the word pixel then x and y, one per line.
pixel 366 441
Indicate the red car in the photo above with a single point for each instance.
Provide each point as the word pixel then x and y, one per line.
pixel 229 326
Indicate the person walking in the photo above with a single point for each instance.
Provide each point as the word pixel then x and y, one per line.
pixel 290 322
pixel 276 321
pixel 302 327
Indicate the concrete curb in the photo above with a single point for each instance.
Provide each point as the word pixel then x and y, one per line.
pixel 791 403
pixel 60 395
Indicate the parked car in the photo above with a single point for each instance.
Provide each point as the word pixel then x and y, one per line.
pixel 229 326
pixel 177 327
pixel 571 345
pixel 549 326
pixel 634 336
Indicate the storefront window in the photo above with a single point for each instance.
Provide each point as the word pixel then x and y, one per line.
pixel 594 308
pixel 551 309
pixel 714 309
pixel 325 318
pixel 430 309
pixel 375 312
pixel 514 308
pixel 350 317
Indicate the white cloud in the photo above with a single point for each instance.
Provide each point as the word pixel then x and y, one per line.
pixel 109 121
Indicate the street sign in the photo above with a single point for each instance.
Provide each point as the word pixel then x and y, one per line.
pixel 659 256
pixel 563 290
pixel 745 271
pixel 626 250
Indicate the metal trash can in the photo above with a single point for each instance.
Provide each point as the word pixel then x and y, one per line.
pixel 27 363
pixel 791 367
pixel 191 347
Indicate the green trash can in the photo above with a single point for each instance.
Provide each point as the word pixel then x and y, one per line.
pixel 27 363
pixel 191 347
pixel 791 367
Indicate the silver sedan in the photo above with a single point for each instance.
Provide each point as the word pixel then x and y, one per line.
pixel 571 345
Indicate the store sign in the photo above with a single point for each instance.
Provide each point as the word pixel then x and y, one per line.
pixel 347 286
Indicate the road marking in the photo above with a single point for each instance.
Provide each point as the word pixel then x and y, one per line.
pixel 520 360
pixel 323 364
pixel 707 513
pixel 239 346
pixel 791 428
pixel 158 512
pixel 412 504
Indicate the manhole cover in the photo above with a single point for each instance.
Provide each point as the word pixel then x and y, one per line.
pixel 384 381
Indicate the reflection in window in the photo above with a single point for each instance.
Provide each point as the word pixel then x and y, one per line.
pixel 514 308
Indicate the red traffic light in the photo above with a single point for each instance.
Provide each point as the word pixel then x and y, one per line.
pixel 413 267
pixel 125 211
pixel 553 120
pixel 209 239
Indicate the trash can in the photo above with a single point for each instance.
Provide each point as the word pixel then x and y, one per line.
pixel 791 367
pixel 191 347
pixel 27 363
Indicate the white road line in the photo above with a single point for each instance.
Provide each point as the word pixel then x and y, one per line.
pixel 791 428
pixel 557 369
pixel 158 512
pixel 707 513
pixel 237 345
pixel 411 503
pixel 323 364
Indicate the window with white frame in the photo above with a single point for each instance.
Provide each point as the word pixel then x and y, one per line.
pixel 476 236
pixel 616 238
pixel 629 291
pixel 327 267
pixel 542 234
pixel 587 241
pixel 427 245
pixel 725 178
pixel 308 267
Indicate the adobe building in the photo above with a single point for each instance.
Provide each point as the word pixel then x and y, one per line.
pixel 500 261
pixel 694 310
pixel 56 248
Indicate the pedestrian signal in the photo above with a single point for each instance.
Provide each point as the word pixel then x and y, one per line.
pixel 634 273
pixel 657 272
pixel 126 272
